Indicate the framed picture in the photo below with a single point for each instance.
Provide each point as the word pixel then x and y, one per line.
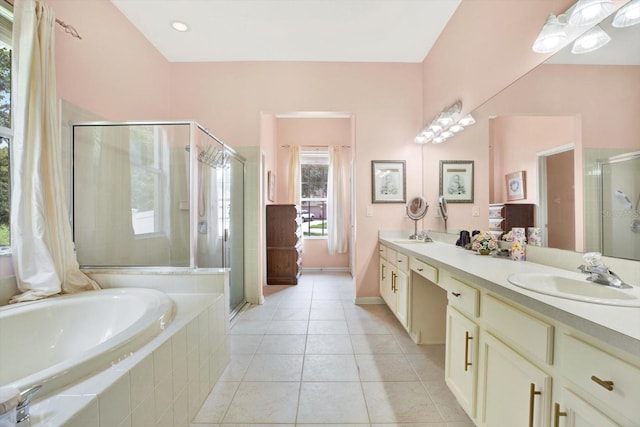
pixel 516 185
pixel 456 180
pixel 388 181
pixel 271 186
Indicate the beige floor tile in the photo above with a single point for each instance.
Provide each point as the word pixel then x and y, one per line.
pixel 291 313
pixel 452 412
pixel 282 344
pixel 328 327
pixel 410 425
pixel 327 314
pixel 274 367
pixel 375 344
pixel 236 368
pixel 216 404
pixel 328 402
pixel 329 344
pixel 404 402
pixel 368 326
pixel 330 367
pixel 264 402
pixel 385 367
pixel 245 344
pixel 326 305
pixel 259 312
pixel 286 327
pixel 249 327
pixel 428 369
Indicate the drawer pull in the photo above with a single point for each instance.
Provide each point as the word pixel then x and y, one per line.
pixel 606 384
pixel 456 294
pixel 467 338
pixel 420 269
pixel 557 414
pixel 399 260
pixel 383 277
pixel 532 394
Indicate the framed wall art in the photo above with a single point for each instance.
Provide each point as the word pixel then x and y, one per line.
pixel 388 181
pixel 456 180
pixel 516 185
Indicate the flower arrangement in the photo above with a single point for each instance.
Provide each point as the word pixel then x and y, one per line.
pixel 484 242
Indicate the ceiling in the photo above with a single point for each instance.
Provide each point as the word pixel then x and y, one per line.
pixel 291 30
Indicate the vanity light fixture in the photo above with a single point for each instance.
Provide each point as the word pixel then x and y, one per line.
pixel 179 26
pixel 590 12
pixel 627 15
pixel 593 39
pixel 444 126
pixel 552 37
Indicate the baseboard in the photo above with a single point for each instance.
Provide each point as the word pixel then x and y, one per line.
pixel 369 300
pixel 326 270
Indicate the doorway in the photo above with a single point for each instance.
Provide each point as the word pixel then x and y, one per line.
pixel 557 197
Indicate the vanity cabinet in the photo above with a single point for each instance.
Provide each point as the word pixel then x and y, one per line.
pixel 571 410
pixel 394 283
pixel 461 359
pixel 515 392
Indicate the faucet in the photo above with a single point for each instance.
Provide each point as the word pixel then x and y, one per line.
pixel 600 273
pixel 421 236
pixel 23 418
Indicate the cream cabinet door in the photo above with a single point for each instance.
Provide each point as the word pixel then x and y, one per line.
pixel 515 393
pixel 402 297
pixel 461 367
pixel 572 411
pixel 387 279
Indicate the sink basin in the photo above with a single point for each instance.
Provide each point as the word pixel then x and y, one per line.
pixel 407 241
pixel 575 289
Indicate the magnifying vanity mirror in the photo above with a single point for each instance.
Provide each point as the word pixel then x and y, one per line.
pixel 560 123
pixel 416 210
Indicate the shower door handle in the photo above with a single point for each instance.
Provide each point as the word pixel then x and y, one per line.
pixel 226 234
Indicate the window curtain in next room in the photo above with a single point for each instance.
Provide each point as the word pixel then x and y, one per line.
pixel 294 175
pixel 336 218
pixel 41 242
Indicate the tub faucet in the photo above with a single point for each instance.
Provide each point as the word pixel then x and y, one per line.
pixel 23 418
pixel 600 273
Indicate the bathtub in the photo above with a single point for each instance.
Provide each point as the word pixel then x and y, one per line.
pixel 58 341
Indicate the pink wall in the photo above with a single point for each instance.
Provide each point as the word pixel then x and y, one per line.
pixel 316 131
pixel 113 71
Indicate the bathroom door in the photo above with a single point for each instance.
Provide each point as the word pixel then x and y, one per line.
pixel 234 231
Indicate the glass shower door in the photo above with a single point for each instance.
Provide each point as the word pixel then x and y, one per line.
pixel 234 235
pixel 621 206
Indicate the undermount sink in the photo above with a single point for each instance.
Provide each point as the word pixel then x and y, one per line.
pixel 580 290
pixel 407 241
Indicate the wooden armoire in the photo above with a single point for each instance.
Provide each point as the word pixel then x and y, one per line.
pixel 284 245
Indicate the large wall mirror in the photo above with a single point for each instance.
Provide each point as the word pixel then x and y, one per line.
pixel 560 123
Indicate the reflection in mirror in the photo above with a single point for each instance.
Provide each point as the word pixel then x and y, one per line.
pixel 442 204
pixel 558 123
pixel 416 210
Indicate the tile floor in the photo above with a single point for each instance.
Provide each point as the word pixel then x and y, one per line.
pixel 310 357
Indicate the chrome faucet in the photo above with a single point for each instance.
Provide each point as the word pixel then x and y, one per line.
pixel 23 418
pixel 600 273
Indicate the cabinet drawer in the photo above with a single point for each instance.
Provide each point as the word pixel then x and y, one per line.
pixel 525 331
pixel 383 251
pixel 392 256
pixel 424 269
pixel 586 365
pixel 462 296
pixel 402 261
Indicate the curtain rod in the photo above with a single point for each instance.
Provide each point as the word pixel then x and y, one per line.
pixel 69 29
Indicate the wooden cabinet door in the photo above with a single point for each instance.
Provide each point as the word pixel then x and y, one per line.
pixel 461 360
pixel 515 393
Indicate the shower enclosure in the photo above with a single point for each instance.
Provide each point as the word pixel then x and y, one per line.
pixel 158 194
pixel 620 206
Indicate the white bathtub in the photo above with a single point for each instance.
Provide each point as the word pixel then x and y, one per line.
pixel 58 341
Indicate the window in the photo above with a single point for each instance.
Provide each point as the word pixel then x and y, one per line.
pixel 146 180
pixel 314 167
pixel 6 133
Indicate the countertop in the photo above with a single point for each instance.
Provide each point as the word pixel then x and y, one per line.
pixel 614 325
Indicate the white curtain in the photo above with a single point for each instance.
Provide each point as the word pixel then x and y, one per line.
pixel 336 218
pixel 43 255
pixel 294 175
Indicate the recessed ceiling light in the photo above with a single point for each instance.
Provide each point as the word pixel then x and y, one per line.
pixel 180 26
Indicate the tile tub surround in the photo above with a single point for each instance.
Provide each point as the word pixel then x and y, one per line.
pixel 615 326
pixel 310 357
pixel 163 383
